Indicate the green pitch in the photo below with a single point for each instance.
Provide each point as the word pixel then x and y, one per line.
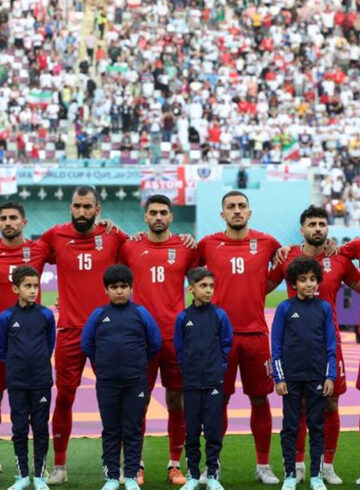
pixel 84 464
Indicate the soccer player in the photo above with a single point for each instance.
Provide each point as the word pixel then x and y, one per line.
pixel 239 259
pixel 159 263
pixel 83 251
pixel 337 269
pixel 15 250
pixel 300 322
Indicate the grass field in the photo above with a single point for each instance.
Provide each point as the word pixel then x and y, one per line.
pixel 272 299
pixel 84 463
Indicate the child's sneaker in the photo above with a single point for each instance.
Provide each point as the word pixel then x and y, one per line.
pixel 289 483
pixel 191 484
pixel 40 483
pixel 317 483
pixel 213 484
pixel 111 484
pixel 131 484
pixel 20 483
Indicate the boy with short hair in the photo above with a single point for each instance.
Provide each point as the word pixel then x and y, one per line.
pixel 203 339
pixel 304 365
pixel 120 338
pixel 27 339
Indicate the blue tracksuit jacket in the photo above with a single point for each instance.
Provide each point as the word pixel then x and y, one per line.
pixel 203 339
pixel 303 341
pixel 27 339
pixel 120 340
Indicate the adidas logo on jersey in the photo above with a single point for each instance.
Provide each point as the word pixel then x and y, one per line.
pixel 106 320
pixel 43 400
pixel 295 315
pixel 141 395
pixel 214 392
pixel 319 387
pixel 189 324
pixel 15 325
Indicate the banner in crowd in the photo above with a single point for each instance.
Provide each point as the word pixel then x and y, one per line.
pixel 285 171
pixel 291 151
pixel 177 183
pixel 8 181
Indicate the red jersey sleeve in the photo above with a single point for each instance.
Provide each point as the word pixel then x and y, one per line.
pixel 351 273
pixel 276 274
pixel 351 249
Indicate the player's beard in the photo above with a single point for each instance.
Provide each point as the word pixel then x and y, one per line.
pixel 160 229
pixel 237 227
pixel 87 224
pixel 12 236
pixel 316 242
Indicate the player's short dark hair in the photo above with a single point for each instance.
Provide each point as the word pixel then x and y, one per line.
pixel 13 205
pixel 197 274
pixel 118 273
pixel 313 212
pixel 84 190
pixel 19 274
pixel 303 265
pixel 234 193
pixel 158 199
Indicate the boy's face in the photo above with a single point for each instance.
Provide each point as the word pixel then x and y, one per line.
pixel 306 285
pixel 28 290
pixel 203 290
pixel 119 293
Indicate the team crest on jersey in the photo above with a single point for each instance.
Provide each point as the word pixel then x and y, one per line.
pixel 253 246
pixel 99 242
pixel 171 255
pixel 26 254
pixel 327 264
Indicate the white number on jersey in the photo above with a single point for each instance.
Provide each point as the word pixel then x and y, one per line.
pixel 11 270
pixel 85 262
pixel 237 265
pixel 157 273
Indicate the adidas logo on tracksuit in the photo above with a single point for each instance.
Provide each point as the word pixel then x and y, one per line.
pixel 106 320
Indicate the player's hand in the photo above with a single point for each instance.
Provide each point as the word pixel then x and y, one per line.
pixel 280 255
pixel 138 236
pixel 188 240
pixel 281 388
pixel 328 387
pixel 331 248
pixel 110 225
pixel 57 303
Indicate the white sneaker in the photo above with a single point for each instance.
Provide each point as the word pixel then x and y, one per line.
pixel 265 475
pixel 358 481
pixel 203 477
pixel 300 472
pixel 0 468
pixel 329 475
pixel 58 476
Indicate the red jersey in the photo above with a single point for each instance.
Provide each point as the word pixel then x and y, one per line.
pixel 81 262
pixel 240 268
pixel 33 253
pixel 159 270
pixel 351 249
pixel 336 269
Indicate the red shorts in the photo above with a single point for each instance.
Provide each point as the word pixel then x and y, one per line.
pixel 340 383
pixel 251 353
pixel 69 358
pixel 170 373
pixel 2 376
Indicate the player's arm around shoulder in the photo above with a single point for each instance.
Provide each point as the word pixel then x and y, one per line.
pixel 88 345
pixel 351 249
pixel 153 336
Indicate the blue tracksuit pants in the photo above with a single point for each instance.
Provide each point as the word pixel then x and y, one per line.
pixel 30 407
pixel 312 391
pixel 121 411
pixel 203 410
